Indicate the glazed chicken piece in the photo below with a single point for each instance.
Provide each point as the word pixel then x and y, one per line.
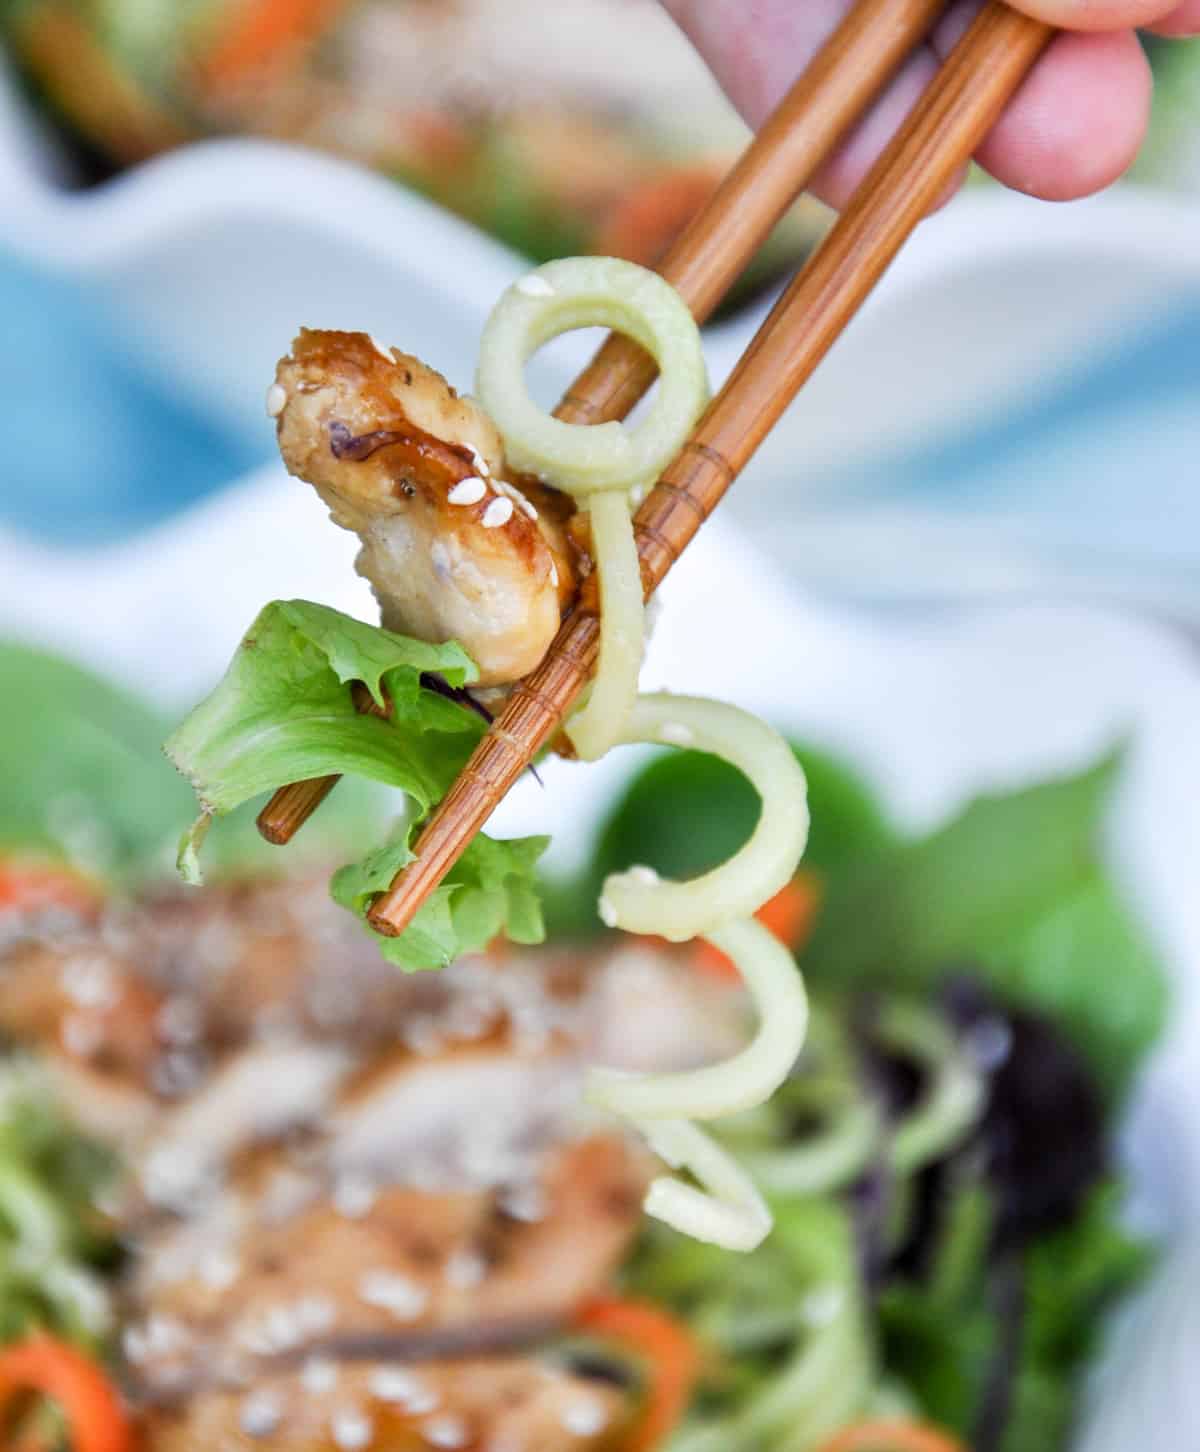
pixel 363 1220
pixel 160 1007
pixel 454 545
pixel 286 1264
pixel 96 1028
pixel 526 1403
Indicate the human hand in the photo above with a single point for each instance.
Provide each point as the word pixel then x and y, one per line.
pixel 1073 127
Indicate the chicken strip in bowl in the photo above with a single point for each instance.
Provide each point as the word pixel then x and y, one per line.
pixel 362 1210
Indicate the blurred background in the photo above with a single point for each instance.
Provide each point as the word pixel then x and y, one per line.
pixel 1014 413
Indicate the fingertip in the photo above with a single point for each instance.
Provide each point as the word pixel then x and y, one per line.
pixel 1076 124
pixel 1093 16
pixel 1179 23
pixel 756 51
pixel 835 182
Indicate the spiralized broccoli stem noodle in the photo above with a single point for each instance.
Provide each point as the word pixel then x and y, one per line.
pixel 602 466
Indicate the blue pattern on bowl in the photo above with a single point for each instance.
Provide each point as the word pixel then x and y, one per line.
pixel 97 449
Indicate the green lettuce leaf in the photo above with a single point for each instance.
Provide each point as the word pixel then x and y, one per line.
pixel 85 781
pixel 491 889
pixel 283 711
pixel 83 778
pixel 1015 887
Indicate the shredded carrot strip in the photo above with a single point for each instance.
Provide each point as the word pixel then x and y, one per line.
pixel 892 1437
pixel 259 29
pixel 670 1351
pixel 88 1399
pixel 27 886
pixel 654 212
pixel 790 915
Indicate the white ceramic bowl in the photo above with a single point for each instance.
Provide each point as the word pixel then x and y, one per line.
pixel 213 255
pixel 932 712
pixel 210 257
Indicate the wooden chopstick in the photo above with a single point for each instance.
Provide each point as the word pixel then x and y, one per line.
pixel 942 132
pixel 841 81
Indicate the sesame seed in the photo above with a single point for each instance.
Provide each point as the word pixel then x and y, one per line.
pixel 608 913
pixel 465 1268
pixel 512 492
pixel 395 1384
pixel 287 1193
pixel 260 1414
pixel 353 1196
pixel 180 1021
pixel 526 1202
pixel 467 491
pixel 276 400
pixel 173 1175
pixel 498 512
pixel 481 464
pixel 395 1293
pixel 254 1340
pixel 644 876
pixel 218 1269
pixel 383 352
pixel 90 983
pixel 675 733
pixel 584 1418
pixel 163 1336
pixel 421 1035
pixel 533 285
pixel 446 1432
pixel 283 1327
pixel 352 1430
pixel 554 574
pixel 319 1375
pixel 81 1036
pixel 315 1314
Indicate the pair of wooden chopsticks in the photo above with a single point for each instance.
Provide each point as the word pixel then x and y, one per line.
pixel 939 136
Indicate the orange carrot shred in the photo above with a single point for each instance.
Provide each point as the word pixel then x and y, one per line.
pixel 30 885
pixel 259 30
pixel 892 1436
pixel 670 1352
pixel 87 1398
pixel 790 915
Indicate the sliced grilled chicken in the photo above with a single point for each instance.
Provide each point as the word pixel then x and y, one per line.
pixel 284 1263
pixel 94 1023
pixel 346 1164
pixel 454 545
pixel 496 1404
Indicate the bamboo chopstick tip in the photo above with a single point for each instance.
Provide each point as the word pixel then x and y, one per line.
pixel 382 917
pixel 277 833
